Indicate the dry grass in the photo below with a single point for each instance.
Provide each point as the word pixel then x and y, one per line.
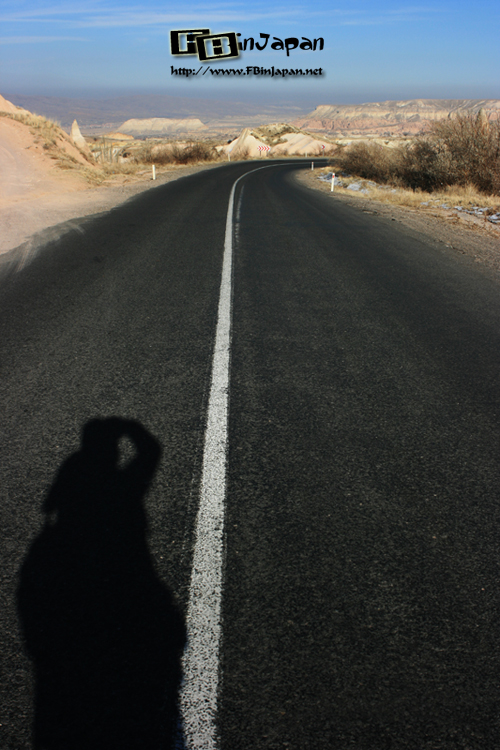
pixel 455 195
pixel 44 126
pixel 52 139
pixel 466 197
pixel 120 168
pixel 93 176
pixel 241 154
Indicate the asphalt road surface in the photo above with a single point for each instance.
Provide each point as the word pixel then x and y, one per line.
pixel 359 603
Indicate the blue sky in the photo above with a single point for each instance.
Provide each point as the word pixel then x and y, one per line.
pixel 373 50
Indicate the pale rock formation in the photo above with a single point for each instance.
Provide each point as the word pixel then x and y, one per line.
pixel 301 144
pixel 394 117
pixel 248 142
pixel 78 138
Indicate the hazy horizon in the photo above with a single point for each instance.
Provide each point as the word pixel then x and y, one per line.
pixel 302 102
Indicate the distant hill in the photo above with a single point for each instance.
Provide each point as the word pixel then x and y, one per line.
pixel 391 117
pixel 111 112
pixel 162 125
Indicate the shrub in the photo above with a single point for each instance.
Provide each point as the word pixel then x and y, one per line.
pixel 241 154
pixel 472 148
pixel 464 150
pixel 368 160
pixel 423 165
pixel 174 154
pixel 195 152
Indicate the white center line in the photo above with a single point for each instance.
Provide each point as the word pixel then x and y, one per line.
pixel 198 695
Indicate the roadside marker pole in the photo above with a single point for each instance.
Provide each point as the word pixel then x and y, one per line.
pixel 312 165
pixel 333 181
pixel 154 172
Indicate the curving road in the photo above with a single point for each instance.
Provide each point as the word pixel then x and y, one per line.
pixel 360 568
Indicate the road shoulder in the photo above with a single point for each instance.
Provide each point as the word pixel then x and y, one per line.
pixel 29 222
pixel 479 241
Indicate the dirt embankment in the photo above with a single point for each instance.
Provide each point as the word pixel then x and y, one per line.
pixel 46 184
pixel 26 168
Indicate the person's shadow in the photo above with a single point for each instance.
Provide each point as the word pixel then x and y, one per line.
pixel 104 634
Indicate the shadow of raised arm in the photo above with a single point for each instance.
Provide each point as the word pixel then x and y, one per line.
pixel 102 629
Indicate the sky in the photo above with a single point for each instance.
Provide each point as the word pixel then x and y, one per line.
pixel 373 50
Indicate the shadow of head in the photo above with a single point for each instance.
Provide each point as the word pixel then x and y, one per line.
pixel 102 629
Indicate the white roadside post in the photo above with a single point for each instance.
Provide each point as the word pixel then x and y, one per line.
pixel 333 182
pixel 154 172
pixel 312 165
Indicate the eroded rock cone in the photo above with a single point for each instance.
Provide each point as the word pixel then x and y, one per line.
pixel 78 138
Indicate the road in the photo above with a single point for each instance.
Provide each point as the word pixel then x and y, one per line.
pixel 360 567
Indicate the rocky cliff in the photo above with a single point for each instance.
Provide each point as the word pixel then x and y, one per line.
pixel 394 118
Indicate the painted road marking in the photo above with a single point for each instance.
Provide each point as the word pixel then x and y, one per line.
pixel 198 695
